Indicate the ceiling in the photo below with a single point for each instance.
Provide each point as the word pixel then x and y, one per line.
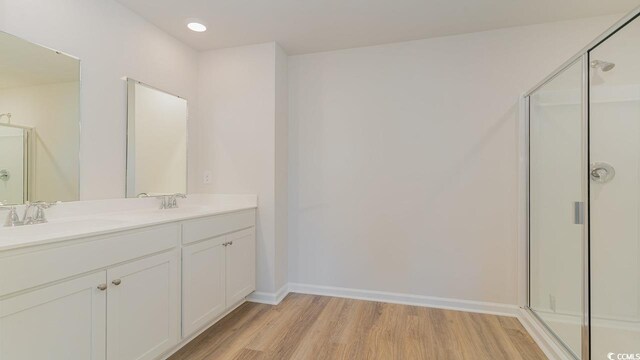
pixel 305 26
pixel 25 64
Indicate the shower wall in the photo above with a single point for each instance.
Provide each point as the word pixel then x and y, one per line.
pixel 615 234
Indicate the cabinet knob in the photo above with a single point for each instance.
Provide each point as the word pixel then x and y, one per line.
pixel 230 242
pixel 102 287
pixel 116 282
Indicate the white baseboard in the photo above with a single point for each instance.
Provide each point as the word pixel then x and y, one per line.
pixel 269 298
pixel 547 343
pixel 407 299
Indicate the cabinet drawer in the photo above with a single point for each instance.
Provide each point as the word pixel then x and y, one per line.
pixel 206 228
pixel 24 269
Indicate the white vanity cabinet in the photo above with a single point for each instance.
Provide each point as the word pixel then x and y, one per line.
pixel 106 297
pixel 125 295
pixel 142 308
pixel 240 265
pixel 66 320
pixel 203 284
pixel 218 267
pixel 135 305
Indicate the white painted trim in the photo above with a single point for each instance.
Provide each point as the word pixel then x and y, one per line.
pixel 407 299
pixel 269 298
pixel 547 343
pixel 384 296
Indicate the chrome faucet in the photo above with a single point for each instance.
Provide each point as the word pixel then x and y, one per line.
pixel 12 217
pixel 38 217
pixel 170 201
pixel 33 213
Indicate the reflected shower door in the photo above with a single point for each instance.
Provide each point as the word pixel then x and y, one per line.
pixel 557 191
pixel 12 164
pixel 614 154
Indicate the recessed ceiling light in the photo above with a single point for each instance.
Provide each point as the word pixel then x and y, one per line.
pixel 196 25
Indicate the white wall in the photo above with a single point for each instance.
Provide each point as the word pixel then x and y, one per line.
pixel 241 120
pixel 403 160
pixel 52 109
pixel 111 42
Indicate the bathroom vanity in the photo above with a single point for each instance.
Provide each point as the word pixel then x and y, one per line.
pixel 129 281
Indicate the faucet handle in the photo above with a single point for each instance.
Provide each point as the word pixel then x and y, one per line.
pixel 39 217
pixel 12 217
pixel 172 203
pixel 163 201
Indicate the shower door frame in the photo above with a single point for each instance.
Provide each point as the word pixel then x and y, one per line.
pixel 28 159
pixel 585 338
pixel 582 56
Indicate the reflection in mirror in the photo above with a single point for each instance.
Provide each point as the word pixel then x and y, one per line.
pixel 156 141
pixel 39 123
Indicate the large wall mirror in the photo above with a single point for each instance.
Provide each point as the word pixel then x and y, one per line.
pixel 156 141
pixel 39 123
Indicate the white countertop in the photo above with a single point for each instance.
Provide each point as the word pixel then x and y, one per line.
pixel 79 219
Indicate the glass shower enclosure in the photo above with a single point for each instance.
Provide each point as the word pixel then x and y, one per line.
pixel 15 164
pixel 584 198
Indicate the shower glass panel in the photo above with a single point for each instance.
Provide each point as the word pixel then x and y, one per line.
pixel 557 193
pixel 13 164
pixel 614 155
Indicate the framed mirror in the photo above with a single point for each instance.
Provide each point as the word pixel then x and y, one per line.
pixel 39 123
pixel 156 141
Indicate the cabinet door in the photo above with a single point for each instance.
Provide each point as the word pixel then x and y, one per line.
pixel 61 321
pixel 241 265
pixel 203 298
pixel 143 308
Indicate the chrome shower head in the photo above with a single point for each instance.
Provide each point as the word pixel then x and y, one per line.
pixel 602 65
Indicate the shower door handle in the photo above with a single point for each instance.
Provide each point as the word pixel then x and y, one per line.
pixel 578 213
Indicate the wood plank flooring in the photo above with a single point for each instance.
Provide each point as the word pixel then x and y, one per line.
pixel 319 327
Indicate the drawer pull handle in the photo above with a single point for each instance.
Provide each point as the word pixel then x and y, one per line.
pixel 102 287
pixel 116 282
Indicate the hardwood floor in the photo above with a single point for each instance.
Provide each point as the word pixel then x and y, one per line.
pixel 319 327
